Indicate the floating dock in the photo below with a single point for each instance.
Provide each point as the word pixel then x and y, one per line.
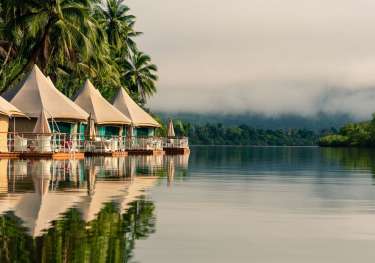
pixel 145 152
pixel 108 154
pixel 176 151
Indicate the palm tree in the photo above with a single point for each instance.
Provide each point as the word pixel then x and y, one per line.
pixel 61 32
pixel 118 24
pixel 140 74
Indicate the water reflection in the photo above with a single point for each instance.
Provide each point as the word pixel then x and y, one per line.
pixel 249 204
pixel 90 210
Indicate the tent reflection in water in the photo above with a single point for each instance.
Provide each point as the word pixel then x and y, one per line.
pixel 136 189
pixel 3 176
pixel 37 210
pixel 171 171
pixel 6 201
pixel 101 191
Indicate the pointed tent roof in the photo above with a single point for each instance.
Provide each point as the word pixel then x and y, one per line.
pixel 90 99
pixel 130 109
pixel 37 93
pixel 9 110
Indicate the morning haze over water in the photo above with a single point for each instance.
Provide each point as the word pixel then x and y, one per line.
pixel 220 204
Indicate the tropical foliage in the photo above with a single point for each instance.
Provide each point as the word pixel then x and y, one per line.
pixel 352 135
pixel 218 134
pixel 71 40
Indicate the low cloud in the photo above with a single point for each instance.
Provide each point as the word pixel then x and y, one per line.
pixel 264 56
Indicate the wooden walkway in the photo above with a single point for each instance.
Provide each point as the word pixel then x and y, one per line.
pixel 145 152
pixel 109 154
pixel 176 151
pixel 82 155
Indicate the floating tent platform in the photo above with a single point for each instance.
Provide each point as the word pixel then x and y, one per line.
pixel 41 155
pixel 9 155
pixel 108 154
pixel 53 156
pixel 176 151
pixel 145 152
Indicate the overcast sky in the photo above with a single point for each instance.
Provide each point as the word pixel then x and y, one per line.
pixel 265 56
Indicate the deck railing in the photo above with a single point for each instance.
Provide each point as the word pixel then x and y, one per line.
pixel 62 142
pixel 40 142
pixel 176 142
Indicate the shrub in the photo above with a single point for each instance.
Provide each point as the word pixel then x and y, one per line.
pixel 334 140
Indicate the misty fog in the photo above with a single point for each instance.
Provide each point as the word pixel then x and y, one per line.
pixel 264 56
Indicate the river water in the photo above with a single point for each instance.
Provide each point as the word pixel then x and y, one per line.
pixel 220 204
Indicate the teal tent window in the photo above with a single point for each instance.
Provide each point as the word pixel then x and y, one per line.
pixel 144 132
pixel 112 131
pixel 101 131
pixel 107 131
pixel 82 129
pixel 62 127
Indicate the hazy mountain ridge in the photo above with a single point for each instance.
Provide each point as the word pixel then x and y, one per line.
pixel 318 122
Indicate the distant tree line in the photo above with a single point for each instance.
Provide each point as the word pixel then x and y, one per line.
pixel 218 134
pixel 352 135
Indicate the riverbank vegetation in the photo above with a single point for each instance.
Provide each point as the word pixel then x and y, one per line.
pixel 352 135
pixel 72 40
pixel 218 134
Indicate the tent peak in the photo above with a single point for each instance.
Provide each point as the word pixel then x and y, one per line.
pixel 103 112
pixel 38 92
pixel 138 116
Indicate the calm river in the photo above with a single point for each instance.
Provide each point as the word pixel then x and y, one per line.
pixel 220 204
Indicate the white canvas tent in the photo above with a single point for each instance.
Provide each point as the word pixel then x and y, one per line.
pixel 36 93
pixel 138 117
pixel 90 99
pixel 9 109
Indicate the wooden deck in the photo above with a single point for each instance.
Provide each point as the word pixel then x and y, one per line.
pixel 146 152
pixel 110 154
pixel 51 155
pixel 9 155
pixel 176 151
pixel 81 155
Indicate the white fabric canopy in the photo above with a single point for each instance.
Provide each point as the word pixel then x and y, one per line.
pixel 90 99
pixel 130 109
pixel 9 110
pixel 37 93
